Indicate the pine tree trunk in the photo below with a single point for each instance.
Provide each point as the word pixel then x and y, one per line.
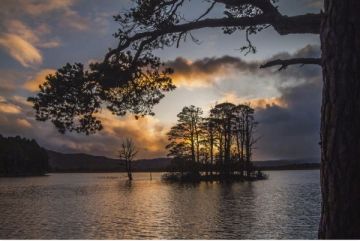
pixel 340 121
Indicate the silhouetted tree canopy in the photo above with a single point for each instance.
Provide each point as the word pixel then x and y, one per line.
pixel 20 156
pixel 222 142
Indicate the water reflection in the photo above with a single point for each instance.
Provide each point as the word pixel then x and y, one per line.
pixel 107 206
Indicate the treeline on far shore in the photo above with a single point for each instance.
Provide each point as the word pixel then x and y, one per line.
pixel 22 157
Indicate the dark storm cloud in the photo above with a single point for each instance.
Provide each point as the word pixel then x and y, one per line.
pixel 204 72
pixel 292 130
pixel 211 65
pixel 307 72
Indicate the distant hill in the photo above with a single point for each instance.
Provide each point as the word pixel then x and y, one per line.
pixel 293 164
pixel 80 162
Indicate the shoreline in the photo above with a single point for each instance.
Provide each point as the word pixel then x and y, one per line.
pixel 312 166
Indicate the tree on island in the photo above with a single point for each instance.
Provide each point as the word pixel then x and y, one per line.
pixel 22 157
pixel 127 153
pixel 188 130
pixel 222 142
pixel 130 80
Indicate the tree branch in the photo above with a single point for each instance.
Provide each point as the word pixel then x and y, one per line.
pixel 285 63
pixel 308 23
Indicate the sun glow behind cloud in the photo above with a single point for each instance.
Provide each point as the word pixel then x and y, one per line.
pixel 254 103
pixel 148 133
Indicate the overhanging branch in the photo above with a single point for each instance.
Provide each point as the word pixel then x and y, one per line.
pixel 308 23
pixel 284 63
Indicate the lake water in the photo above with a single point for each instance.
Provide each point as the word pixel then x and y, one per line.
pixel 106 206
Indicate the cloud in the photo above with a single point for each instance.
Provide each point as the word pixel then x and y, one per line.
pixel 62 10
pixel 20 49
pixel 50 44
pixel 8 108
pixel 254 103
pixel 24 41
pixel 75 21
pixel 6 85
pixel 32 35
pixel 33 84
pixel 206 72
pixel 19 29
pixel 293 130
pixel 23 123
pixel 41 7
pixel 319 4
pixel 21 101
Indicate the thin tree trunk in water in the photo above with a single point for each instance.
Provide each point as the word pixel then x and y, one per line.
pixel 340 121
pixel 192 145
pixel 211 154
pixel 129 170
pixel 242 148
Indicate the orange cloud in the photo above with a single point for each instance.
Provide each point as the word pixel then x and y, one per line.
pixel 70 18
pixel 255 103
pixel 20 49
pixel 18 28
pixel 22 42
pixel 23 123
pixel 39 7
pixel 8 108
pixel 20 100
pixel 33 84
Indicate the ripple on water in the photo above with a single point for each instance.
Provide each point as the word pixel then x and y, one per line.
pixel 106 206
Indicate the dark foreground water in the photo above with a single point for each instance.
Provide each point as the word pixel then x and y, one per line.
pixel 106 206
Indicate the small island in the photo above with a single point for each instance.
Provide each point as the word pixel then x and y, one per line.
pixel 214 148
pixel 22 157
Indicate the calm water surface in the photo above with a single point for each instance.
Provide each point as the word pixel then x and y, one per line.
pixel 106 206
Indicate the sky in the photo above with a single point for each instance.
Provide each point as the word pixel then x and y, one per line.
pixel 37 37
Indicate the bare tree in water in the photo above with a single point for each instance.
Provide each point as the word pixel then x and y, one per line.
pixel 128 152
